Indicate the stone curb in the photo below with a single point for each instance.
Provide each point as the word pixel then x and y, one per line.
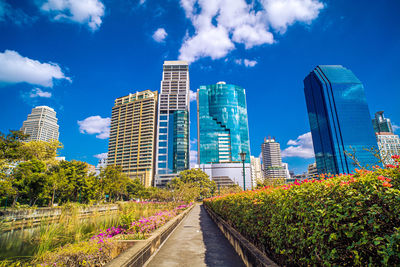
pixel 141 250
pixel 249 253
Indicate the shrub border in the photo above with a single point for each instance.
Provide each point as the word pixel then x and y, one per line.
pixel 141 250
pixel 249 253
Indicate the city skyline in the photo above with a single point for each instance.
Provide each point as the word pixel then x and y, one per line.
pixel 83 66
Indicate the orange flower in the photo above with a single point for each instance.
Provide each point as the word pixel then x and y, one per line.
pixel 381 178
pixel 386 184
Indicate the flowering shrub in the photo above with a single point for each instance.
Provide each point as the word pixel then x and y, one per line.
pixel 351 219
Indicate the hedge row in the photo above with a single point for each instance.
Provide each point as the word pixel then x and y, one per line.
pixel 351 220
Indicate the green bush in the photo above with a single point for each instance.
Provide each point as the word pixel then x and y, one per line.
pixel 346 220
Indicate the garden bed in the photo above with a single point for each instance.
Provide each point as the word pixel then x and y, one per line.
pixel 338 220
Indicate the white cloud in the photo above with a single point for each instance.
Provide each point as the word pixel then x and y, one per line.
pixel 15 68
pixel 192 96
pixel 302 147
pixel 159 35
pixel 101 155
pixel 218 24
pixel 87 12
pixel 283 13
pixel 37 92
pixel 96 125
pixel 246 62
pixel 395 127
pixel 250 63
pixel 14 15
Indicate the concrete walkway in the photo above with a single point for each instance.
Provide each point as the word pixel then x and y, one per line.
pixel 197 241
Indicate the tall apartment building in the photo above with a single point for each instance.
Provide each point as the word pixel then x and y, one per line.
pixel 256 172
pixel 132 135
pixel 312 171
pixel 172 155
pixel 223 132
pixel 339 119
pixel 381 124
pixel 272 160
pixel 41 124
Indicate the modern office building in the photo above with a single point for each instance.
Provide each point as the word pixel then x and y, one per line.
pixel 102 163
pixel 223 131
pixel 132 135
pixel 381 124
pixel 172 155
pixel 272 160
pixel 339 119
pixel 41 124
pixel 256 172
pixel 389 145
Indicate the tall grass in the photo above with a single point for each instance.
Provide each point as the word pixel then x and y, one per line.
pixel 71 228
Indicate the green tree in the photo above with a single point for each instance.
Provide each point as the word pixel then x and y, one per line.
pixel 198 177
pixel 113 182
pixel 10 146
pixel 41 150
pixel 30 182
pixel 75 174
pixel 136 189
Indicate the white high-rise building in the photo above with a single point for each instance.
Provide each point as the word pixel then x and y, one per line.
pixel 41 124
pixel 172 155
pixel 272 160
pixel 256 172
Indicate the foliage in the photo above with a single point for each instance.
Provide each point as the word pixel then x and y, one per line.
pixel 10 146
pixel 40 150
pixel 343 220
pixel 194 180
pixel 230 189
pixel 270 182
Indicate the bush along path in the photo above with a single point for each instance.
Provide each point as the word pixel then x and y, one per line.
pixel 342 220
pixel 104 246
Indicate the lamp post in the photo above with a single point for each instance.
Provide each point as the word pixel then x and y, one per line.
pixel 243 158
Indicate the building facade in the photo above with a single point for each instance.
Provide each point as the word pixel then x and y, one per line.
pixel 41 125
pixel 381 124
pixel 339 119
pixel 223 131
pixel 272 160
pixel 256 172
pixel 132 135
pixel 312 171
pixel 172 154
pixel 389 145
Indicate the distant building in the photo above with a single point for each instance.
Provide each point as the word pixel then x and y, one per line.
pixel 172 154
pixel 223 131
pixel 339 119
pixel 41 124
pixel 312 171
pixel 389 145
pixel 227 173
pixel 100 165
pixel 59 158
pixel 381 124
pixel 272 160
pixel 285 166
pixel 132 135
pixel 256 173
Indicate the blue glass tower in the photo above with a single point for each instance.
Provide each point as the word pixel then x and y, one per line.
pixel 222 124
pixel 339 119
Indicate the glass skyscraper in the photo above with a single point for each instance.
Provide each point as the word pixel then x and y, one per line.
pixel 339 119
pixel 173 122
pixel 381 124
pixel 222 123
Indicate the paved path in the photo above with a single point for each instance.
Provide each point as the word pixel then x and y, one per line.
pixel 197 241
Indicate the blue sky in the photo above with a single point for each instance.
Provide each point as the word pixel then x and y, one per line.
pixel 78 56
